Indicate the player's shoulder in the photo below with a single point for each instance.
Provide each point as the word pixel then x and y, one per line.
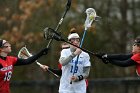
pixel 84 53
pixel 11 57
pixel 66 50
pixel 137 54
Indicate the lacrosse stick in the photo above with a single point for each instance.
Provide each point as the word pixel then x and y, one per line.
pixel 91 16
pixel 60 22
pixel 24 54
pixel 51 33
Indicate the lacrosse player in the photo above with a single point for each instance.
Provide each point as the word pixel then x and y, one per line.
pixel 8 62
pixel 81 71
pixel 124 60
pixel 58 72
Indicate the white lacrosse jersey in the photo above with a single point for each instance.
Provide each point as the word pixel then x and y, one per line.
pixel 68 70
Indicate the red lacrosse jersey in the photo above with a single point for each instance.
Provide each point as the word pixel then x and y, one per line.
pixel 6 73
pixel 136 58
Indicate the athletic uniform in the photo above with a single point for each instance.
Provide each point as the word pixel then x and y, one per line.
pixel 6 68
pixel 136 58
pixel 59 72
pixel 6 72
pixel 67 72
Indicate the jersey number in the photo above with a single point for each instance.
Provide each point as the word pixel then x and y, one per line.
pixel 74 69
pixel 7 76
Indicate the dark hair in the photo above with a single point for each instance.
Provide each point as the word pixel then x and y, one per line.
pixel 137 40
pixel 1 43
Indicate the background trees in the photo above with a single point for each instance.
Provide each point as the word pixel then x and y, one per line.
pixel 22 23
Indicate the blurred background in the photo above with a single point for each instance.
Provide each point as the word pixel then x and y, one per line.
pixel 22 23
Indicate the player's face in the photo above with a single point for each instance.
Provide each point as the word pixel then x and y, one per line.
pixel 136 49
pixel 6 48
pixel 75 41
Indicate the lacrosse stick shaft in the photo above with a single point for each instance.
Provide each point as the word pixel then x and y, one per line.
pixel 47 69
pixel 81 43
pixel 90 18
pixel 38 63
pixel 92 53
pixel 53 73
pixel 60 21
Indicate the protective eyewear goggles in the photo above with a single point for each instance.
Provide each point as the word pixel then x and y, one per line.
pixel 74 39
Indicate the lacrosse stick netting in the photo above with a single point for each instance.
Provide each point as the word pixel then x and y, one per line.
pixel 24 53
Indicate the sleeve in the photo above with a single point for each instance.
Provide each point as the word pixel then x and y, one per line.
pixel 24 61
pixel 136 58
pixel 87 60
pixel 124 63
pixel 119 56
pixel 86 71
pixel 63 54
pixel 65 58
pixel 122 60
pixel 30 59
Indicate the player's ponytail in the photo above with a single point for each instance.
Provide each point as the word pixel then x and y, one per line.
pixel 72 30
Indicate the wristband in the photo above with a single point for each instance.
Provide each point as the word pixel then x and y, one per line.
pixel 80 77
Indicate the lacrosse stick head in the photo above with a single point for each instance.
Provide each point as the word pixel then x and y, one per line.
pixel 91 16
pixel 50 33
pixel 24 53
